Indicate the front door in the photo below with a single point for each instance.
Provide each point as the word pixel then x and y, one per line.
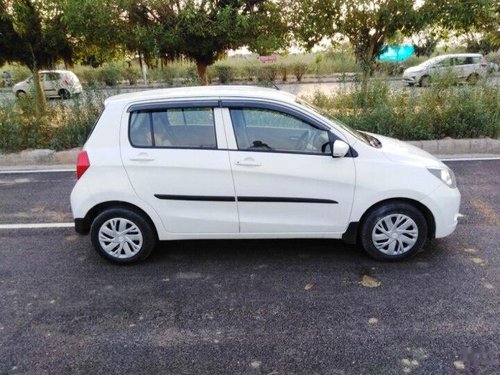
pixel 50 83
pixel 285 178
pixel 172 158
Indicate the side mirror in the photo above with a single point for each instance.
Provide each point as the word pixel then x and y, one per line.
pixel 340 149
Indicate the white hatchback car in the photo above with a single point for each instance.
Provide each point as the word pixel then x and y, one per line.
pixel 247 162
pixel 55 83
pixel 465 66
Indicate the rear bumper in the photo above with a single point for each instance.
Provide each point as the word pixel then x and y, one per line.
pixel 81 227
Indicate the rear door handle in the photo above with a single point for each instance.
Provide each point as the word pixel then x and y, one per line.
pixel 142 157
pixel 248 162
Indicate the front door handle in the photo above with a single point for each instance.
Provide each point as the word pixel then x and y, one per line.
pixel 143 156
pixel 248 162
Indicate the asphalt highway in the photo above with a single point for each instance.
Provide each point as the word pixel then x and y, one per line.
pixel 246 307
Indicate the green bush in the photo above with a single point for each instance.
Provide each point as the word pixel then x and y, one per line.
pixel 19 72
pixel 299 69
pixel 110 74
pixel 131 75
pixel 61 127
pixel 267 72
pixel 88 76
pixel 224 72
pixel 439 111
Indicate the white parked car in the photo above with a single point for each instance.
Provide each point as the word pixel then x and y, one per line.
pixel 465 66
pixel 246 162
pixel 55 83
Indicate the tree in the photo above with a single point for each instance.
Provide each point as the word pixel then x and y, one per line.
pixel 97 28
pixel 268 29
pixel 35 36
pixel 366 23
pixel 205 30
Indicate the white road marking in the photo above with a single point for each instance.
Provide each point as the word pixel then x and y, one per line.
pixel 471 159
pixel 37 226
pixel 37 171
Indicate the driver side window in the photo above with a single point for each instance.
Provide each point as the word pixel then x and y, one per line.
pixel 258 129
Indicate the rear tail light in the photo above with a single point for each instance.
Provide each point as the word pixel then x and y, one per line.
pixel 67 81
pixel 82 164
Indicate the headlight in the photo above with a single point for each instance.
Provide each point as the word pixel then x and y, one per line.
pixel 446 175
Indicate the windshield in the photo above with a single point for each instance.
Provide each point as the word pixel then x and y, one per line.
pixel 432 61
pixel 362 136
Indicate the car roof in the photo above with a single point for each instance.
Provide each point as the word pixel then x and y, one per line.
pixel 460 55
pixel 56 71
pixel 201 92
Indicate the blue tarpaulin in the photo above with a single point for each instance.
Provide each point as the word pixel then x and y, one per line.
pixel 396 53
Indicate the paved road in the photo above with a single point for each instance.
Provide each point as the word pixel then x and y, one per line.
pixel 252 307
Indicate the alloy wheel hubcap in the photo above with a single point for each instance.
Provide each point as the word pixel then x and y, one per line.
pixel 120 238
pixel 395 234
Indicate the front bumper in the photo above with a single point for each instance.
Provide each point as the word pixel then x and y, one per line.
pixel 409 79
pixel 444 204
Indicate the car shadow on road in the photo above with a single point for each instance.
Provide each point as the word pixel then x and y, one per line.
pixel 270 251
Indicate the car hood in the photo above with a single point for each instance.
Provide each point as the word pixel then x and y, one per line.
pixel 399 151
pixel 18 85
pixel 414 69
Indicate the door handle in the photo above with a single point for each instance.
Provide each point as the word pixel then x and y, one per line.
pixel 142 157
pixel 248 162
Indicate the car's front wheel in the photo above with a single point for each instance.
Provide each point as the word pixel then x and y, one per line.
pixel 64 94
pixel 425 81
pixel 122 235
pixel 393 231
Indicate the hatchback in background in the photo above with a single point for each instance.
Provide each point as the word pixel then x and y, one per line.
pixel 55 83
pixel 469 67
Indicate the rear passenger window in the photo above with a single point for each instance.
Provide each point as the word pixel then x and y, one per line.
pixel 173 127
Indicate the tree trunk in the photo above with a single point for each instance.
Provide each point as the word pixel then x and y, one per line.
pixel 143 69
pixel 202 73
pixel 40 100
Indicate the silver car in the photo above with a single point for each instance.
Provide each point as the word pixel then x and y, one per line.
pixel 55 83
pixel 468 67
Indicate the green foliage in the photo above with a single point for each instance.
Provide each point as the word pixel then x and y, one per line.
pixel 440 111
pixel 110 74
pixel 60 127
pixel 224 72
pixel 131 75
pixel 299 69
pixel 267 72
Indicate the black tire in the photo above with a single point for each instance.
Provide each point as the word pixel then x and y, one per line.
pixel 385 211
pixel 425 81
pixel 20 94
pixel 149 239
pixel 473 79
pixel 64 94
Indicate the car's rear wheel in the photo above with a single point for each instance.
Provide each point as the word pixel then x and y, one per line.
pixel 425 81
pixel 64 94
pixel 393 231
pixel 20 93
pixel 473 79
pixel 122 235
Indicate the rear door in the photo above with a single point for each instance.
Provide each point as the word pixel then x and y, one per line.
pixel 285 178
pixel 177 161
pixel 50 83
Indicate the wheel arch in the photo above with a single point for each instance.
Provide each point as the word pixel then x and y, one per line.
pixel 352 233
pixel 86 222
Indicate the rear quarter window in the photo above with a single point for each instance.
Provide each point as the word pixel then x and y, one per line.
pixel 173 128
